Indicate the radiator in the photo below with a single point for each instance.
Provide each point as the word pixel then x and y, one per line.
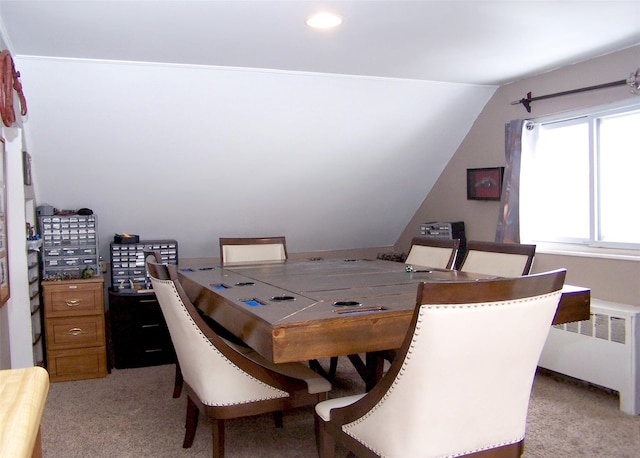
pixel 604 350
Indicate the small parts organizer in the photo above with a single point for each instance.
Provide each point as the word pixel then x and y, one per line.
pixel 69 247
pixel 128 271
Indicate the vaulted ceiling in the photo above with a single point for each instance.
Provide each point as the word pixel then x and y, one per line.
pixel 199 119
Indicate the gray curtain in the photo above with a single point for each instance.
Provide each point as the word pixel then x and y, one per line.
pixel 508 228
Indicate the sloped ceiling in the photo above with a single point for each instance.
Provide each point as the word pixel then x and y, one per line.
pixel 477 42
pixel 195 120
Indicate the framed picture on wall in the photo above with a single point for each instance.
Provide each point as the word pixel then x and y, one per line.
pixel 485 183
pixel 4 258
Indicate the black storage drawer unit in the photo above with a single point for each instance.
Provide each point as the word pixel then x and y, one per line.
pixel 138 330
pixel 128 271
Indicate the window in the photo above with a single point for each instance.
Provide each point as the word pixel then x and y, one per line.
pixel 580 179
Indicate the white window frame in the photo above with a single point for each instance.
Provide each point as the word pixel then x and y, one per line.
pixel 591 247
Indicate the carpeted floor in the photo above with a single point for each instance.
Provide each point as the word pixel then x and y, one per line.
pixel 131 413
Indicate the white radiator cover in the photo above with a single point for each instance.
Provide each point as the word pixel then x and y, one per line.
pixel 604 350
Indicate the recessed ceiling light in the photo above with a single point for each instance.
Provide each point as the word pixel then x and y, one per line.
pixel 324 20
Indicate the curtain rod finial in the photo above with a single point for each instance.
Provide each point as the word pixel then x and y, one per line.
pixel 525 102
pixel 634 82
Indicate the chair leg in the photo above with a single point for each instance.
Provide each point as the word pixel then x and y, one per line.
pixel 277 419
pixel 316 432
pixel 217 429
pixel 177 384
pixel 191 423
pixel 325 442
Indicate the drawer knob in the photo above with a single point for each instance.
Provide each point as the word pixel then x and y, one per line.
pixel 75 331
pixel 72 302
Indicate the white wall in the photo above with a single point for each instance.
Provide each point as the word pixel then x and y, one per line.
pixel 195 153
pixel 16 348
pixel 18 306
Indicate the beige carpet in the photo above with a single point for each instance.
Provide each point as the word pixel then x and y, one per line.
pixel 131 413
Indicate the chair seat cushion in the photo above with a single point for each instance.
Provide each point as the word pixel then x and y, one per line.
pixel 315 382
pixel 323 409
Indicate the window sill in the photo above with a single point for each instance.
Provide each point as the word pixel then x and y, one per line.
pixel 587 252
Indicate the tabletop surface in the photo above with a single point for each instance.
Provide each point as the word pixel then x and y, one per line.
pixel 300 310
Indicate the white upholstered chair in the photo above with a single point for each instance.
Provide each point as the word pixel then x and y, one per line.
pixel 220 379
pixel 462 379
pixel 500 259
pixel 252 249
pixel 432 252
pixel 178 382
pixel 427 252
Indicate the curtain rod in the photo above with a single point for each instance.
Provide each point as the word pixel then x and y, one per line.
pixel 633 81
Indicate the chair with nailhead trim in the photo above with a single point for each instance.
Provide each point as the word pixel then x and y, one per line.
pixel 221 380
pixel 461 382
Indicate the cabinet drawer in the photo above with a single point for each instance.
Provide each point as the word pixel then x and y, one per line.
pixel 65 300
pixel 77 364
pixel 74 328
pixel 75 332
pixel 138 330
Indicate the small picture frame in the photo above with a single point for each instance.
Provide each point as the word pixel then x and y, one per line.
pixel 484 183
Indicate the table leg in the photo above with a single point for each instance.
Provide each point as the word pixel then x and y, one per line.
pixel 371 369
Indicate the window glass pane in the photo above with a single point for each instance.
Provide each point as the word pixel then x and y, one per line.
pixel 619 178
pixel 555 184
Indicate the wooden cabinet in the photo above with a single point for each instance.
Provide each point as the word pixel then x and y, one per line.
pixel 138 330
pixel 75 329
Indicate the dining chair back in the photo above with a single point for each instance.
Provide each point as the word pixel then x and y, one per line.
pixel 252 249
pixel 461 382
pixel 500 259
pixel 178 381
pixel 220 380
pixel 433 252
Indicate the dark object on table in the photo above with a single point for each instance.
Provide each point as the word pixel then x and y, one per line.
pixel 397 257
pixel 126 238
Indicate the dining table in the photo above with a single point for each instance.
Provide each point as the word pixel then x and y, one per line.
pixel 309 309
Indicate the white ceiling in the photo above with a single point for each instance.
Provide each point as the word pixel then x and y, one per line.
pixel 479 42
pixel 262 126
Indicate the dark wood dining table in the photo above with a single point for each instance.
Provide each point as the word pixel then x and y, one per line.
pixel 311 309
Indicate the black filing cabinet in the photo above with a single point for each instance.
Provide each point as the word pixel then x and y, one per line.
pixel 138 331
